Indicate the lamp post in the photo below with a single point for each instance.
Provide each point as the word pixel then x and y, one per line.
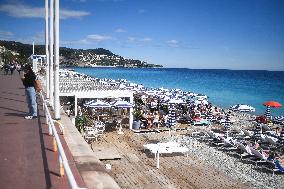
pixel 46 50
pixel 56 63
pixel 51 34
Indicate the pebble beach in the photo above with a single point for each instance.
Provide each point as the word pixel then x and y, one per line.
pixel 204 167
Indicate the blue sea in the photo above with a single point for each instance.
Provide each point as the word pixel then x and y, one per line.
pixel 224 87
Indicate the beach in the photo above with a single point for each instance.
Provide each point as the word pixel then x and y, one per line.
pixel 206 161
pixel 205 166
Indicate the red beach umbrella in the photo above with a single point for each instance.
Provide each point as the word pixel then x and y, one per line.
pixel 273 104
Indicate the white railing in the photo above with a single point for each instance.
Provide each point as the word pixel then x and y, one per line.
pixel 63 161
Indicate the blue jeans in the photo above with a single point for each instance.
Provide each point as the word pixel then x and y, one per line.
pixel 31 100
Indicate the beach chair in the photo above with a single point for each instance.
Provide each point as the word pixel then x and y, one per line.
pixel 248 134
pixel 265 128
pixel 274 166
pixel 215 139
pixel 90 133
pixel 195 134
pixel 207 137
pixel 258 157
pixel 245 152
pixel 229 144
pixel 271 142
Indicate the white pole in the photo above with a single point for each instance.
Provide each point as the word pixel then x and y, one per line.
pixel 46 50
pixel 51 34
pixel 158 159
pixel 33 47
pixel 56 63
pixel 76 108
pixel 131 113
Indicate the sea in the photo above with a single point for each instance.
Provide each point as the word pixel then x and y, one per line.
pixel 223 87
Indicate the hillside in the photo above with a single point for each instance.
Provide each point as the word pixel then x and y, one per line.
pixel 76 57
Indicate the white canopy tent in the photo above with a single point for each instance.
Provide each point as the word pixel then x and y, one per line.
pixel 102 94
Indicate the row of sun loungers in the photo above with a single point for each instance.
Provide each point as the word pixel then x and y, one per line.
pixel 237 146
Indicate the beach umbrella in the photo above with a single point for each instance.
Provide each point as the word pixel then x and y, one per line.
pixel 98 104
pixel 90 102
pixel 279 119
pixel 257 131
pixel 227 123
pixel 209 116
pixel 176 101
pixel 243 108
pixel 121 104
pixel 269 104
pixel 267 112
pixel 171 115
pixel 273 104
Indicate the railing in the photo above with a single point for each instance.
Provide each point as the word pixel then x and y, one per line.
pixel 63 161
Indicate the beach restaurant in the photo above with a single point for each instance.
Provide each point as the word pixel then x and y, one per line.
pixel 101 94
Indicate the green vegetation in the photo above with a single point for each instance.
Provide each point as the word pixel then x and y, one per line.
pixel 74 57
pixel 81 122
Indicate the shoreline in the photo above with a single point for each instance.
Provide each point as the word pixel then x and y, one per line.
pixel 207 88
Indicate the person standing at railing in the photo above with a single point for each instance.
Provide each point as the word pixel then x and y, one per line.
pixel 28 81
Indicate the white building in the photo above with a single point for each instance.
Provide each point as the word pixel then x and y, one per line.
pixel 37 61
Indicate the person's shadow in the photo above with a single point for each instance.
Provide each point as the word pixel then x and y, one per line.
pixel 15 114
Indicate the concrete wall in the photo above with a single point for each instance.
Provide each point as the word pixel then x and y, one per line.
pixel 91 169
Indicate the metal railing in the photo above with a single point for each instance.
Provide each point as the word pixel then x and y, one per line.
pixel 63 161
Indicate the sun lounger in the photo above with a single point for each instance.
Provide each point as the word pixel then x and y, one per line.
pixel 245 151
pixel 204 136
pixel 90 133
pixel 154 147
pixel 258 157
pixel 265 128
pixel 273 166
pixel 248 134
pixel 229 144
pixel 165 148
pixel 271 141
pixel 216 138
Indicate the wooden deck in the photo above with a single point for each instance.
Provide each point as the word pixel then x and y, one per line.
pixel 137 167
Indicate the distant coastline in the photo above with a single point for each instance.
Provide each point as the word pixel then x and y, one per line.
pixel 95 66
pixel 98 57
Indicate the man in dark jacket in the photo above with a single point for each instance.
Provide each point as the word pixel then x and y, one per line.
pixel 28 81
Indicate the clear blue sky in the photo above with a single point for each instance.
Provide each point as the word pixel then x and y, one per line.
pixel 228 34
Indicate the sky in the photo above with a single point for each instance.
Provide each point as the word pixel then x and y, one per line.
pixel 196 34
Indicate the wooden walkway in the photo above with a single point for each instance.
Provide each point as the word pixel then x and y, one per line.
pixel 137 168
pixel 27 160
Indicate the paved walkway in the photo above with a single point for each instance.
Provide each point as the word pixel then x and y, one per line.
pixel 27 159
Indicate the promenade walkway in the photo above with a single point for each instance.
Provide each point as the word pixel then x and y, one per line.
pixel 27 159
